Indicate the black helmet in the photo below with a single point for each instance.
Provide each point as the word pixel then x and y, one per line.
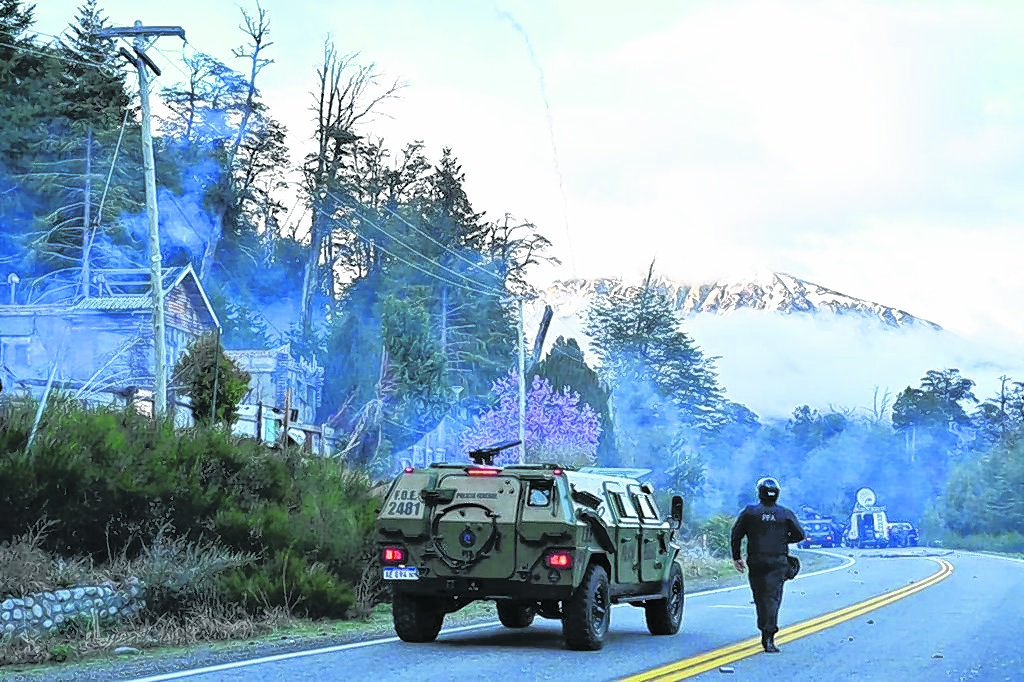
pixel 768 489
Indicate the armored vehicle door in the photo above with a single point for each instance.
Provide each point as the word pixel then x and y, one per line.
pixel 654 536
pixel 628 535
pixel 474 534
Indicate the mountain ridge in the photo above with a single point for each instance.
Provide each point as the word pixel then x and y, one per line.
pixel 773 292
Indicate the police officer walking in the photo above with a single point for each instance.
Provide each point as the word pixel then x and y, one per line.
pixel 769 529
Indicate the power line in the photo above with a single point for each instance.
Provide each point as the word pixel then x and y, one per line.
pixel 363 217
pixel 418 268
pixel 457 255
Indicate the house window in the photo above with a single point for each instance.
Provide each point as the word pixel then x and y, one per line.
pixel 15 353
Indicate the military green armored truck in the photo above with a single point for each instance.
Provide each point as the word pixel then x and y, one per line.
pixel 536 539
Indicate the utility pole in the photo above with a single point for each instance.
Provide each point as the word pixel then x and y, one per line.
pixel 143 36
pixel 522 387
pixel 87 217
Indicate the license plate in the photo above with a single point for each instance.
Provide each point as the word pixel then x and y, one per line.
pixel 399 573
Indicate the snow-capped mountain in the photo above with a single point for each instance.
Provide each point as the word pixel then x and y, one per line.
pixel 775 292
pixel 781 342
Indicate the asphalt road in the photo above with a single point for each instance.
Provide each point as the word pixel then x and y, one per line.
pixel 962 620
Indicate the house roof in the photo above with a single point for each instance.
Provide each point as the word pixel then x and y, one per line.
pixel 127 290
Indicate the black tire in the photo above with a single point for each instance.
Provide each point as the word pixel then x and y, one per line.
pixel 416 618
pixel 665 616
pixel 516 614
pixel 586 614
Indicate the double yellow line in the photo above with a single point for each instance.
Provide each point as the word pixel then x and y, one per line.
pixel 681 670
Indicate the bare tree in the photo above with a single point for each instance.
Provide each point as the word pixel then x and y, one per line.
pixel 347 95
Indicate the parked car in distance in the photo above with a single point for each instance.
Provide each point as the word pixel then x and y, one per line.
pixel 902 534
pixel 819 532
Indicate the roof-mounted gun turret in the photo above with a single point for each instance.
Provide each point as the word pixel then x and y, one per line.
pixel 485 456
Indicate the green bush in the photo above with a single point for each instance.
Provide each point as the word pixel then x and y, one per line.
pixel 1012 542
pixel 112 480
pixel 289 581
pixel 718 530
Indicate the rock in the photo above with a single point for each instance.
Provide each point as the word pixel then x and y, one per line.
pixel 5 615
pixel 78 592
pixel 37 611
pixel 851 639
pixel 112 611
pixel 871 622
pixel 47 624
pixel 29 602
pixel 937 655
pixel 18 614
pixel 727 669
pixel 63 595
pixel 7 604
pixel 126 650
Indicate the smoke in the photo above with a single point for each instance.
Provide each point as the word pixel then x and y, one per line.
pixel 185 224
pixel 507 16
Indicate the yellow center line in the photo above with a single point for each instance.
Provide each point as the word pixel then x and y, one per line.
pixel 689 667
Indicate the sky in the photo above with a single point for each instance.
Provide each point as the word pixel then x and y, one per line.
pixel 876 148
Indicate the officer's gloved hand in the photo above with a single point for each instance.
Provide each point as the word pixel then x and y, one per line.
pixel 740 566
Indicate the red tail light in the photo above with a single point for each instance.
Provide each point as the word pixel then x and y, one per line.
pixel 560 559
pixel 409 470
pixel 556 472
pixel 393 555
pixel 483 472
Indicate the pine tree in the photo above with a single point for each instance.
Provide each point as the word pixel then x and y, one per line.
pixel 29 81
pixel 637 336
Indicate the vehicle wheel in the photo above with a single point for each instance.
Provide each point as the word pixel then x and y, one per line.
pixel 416 618
pixel 585 615
pixel 664 616
pixel 516 614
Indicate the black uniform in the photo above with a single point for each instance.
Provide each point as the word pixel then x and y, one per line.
pixel 769 528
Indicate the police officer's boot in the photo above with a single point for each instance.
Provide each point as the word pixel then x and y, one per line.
pixel 768 642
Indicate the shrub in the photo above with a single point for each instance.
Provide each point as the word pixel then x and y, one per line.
pixel 179 576
pixel 1012 542
pixel 24 566
pixel 718 530
pixel 112 479
pixel 208 375
pixel 291 582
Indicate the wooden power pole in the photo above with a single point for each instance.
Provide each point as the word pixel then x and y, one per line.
pixel 143 36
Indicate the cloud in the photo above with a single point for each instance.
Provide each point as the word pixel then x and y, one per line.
pixel 773 363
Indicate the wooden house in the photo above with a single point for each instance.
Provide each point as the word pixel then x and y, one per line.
pixel 99 343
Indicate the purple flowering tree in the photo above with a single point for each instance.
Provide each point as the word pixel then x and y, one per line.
pixel 559 428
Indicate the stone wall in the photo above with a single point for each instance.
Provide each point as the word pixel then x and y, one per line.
pixel 47 611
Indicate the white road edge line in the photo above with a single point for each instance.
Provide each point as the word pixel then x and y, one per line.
pixel 849 561
pixel 990 556
pixel 296 654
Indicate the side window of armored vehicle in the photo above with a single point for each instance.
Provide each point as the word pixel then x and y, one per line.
pixel 540 493
pixel 647 510
pixel 623 506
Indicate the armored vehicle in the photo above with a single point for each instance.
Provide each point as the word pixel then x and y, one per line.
pixel 537 539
